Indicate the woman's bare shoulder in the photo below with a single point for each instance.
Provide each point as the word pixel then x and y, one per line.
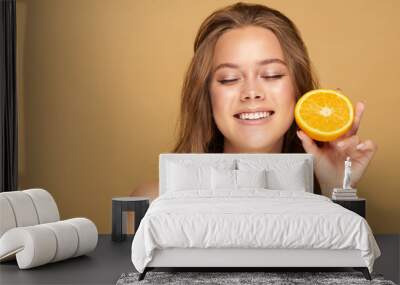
pixel 148 189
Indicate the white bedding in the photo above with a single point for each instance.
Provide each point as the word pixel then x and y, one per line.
pixel 250 218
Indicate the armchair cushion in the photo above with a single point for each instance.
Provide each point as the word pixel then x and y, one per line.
pixel 31 232
pixel 45 243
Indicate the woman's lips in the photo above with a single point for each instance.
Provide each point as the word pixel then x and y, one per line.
pixel 254 122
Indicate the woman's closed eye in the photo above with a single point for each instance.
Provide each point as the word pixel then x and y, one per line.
pixel 225 81
pixel 278 76
pixel 272 77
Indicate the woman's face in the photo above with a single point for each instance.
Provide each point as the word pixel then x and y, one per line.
pixel 252 94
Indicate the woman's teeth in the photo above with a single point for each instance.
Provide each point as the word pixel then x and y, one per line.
pixel 255 115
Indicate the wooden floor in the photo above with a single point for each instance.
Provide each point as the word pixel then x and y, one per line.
pixel 111 259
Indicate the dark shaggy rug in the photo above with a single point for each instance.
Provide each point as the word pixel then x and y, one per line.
pixel 230 278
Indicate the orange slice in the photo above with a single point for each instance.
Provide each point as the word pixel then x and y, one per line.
pixel 323 114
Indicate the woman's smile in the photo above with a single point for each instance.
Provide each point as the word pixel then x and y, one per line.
pixel 254 118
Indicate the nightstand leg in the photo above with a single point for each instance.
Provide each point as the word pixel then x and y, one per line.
pixel 117 222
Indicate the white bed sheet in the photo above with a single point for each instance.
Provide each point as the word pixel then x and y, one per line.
pixel 250 218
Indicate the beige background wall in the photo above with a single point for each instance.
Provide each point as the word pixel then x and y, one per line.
pixel 99 84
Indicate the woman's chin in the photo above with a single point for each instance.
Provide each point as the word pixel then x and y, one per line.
pixel 254 147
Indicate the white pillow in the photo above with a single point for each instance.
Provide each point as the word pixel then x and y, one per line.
pixel 223 179
pixel 251 178
pixel 281 174
pixel 236 179
pixel 187 177
pixel 288 179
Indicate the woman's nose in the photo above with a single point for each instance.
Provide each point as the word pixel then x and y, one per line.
pixel 251 94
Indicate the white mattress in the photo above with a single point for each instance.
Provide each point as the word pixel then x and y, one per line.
pixel 250 218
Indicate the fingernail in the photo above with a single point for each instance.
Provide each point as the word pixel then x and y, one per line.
pixel 360 146
pixel 340 144
pixel 299 134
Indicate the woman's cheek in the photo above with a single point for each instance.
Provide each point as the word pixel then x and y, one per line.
pixel 219 104
pixel 286 98
pixel 222 100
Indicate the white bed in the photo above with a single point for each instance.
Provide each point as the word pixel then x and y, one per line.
pixel 215 224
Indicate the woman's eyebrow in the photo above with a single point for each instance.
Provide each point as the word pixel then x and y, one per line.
pixel 271 60
pixel 262 62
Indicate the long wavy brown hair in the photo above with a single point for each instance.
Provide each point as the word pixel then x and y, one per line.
pixel 197 131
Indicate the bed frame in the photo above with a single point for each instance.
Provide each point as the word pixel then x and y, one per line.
pixel 247 259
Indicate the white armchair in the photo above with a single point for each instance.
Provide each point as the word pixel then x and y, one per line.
pixel 31 230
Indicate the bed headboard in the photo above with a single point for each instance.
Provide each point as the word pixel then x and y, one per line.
pixel 215 158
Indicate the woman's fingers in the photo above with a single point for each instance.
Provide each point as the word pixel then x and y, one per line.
pixel 348 146
pixel 354 147
pixel 367 145
pixel 348 142
pixel 359 110
pixel 308 144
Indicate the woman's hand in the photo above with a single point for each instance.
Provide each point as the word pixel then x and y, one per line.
pixel 330 157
